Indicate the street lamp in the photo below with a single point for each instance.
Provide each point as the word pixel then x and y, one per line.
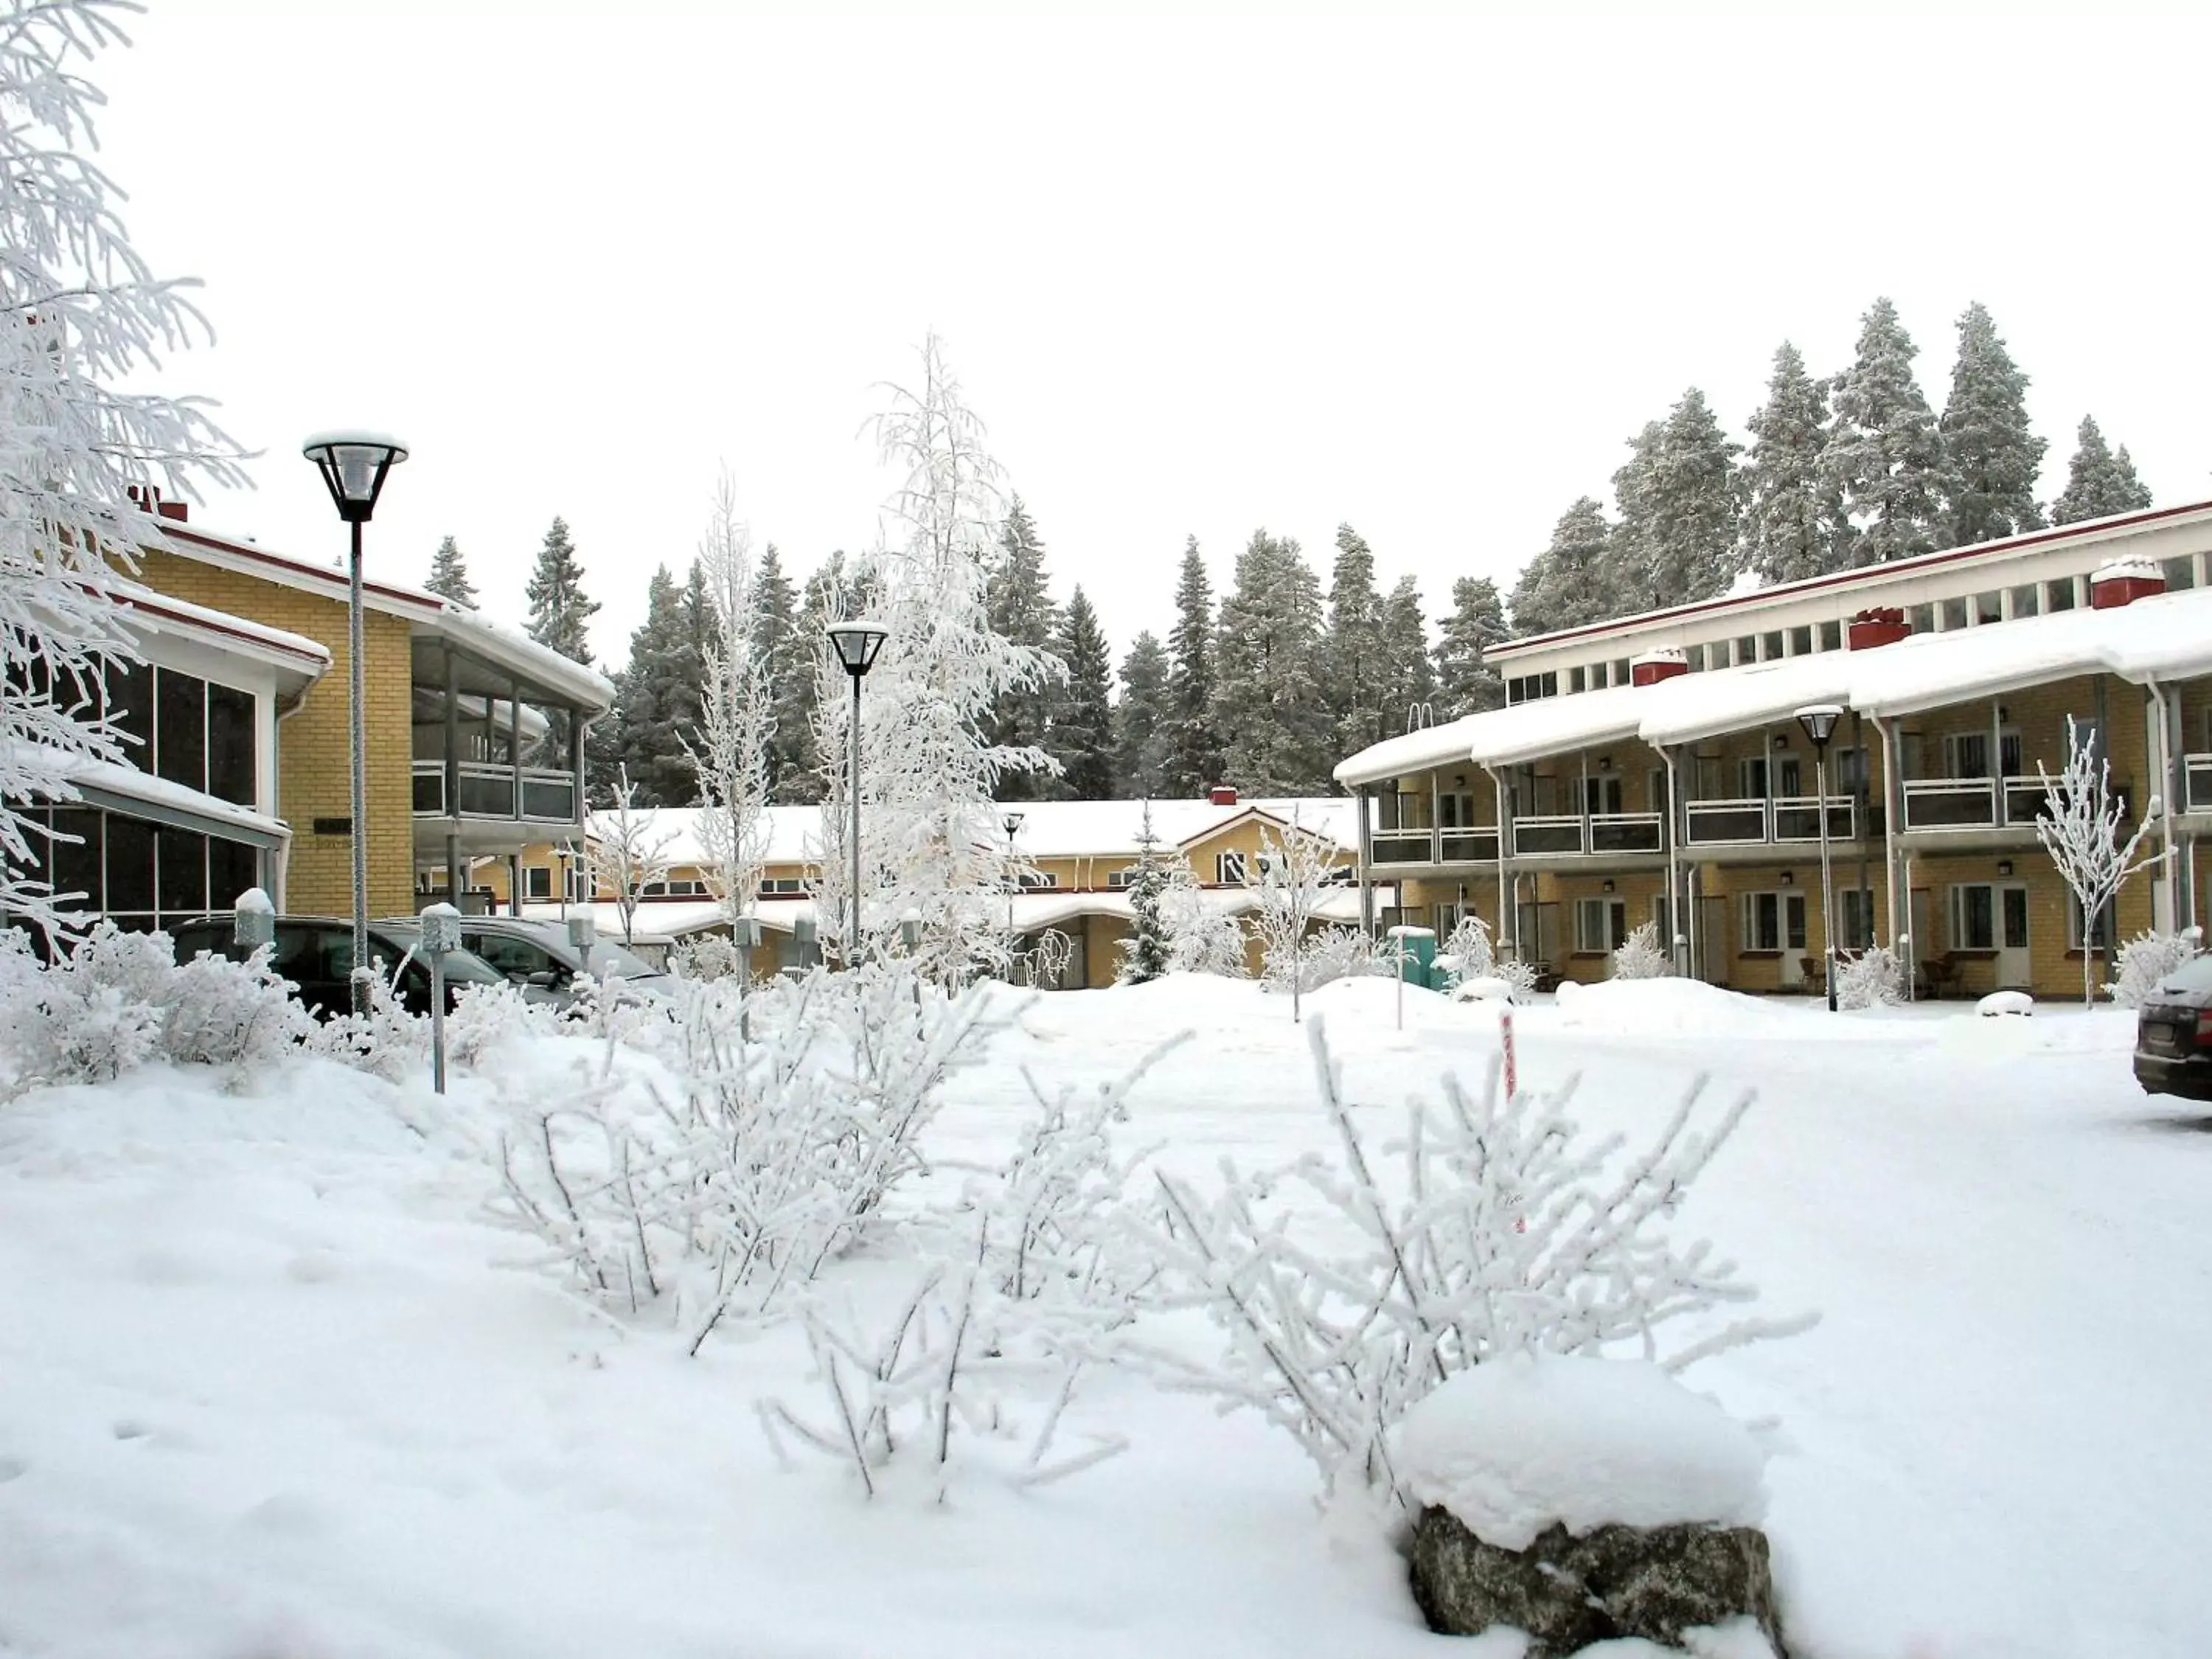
pixel 856 644
pixel 1011 823
pixel 1819 720
pixel 354 465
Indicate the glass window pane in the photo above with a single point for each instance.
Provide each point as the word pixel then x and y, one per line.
pixel 2059 595
pixel 230 744
pixel 130 691
pixel 184 883
pixel 129 864
pixel 1923 618
pixel 1988 607
pixel 1574 679
pixel 77 864
pixel 1832 637
pixel 1746 649
pixel 1801 641
pixel 232 867
pixel 2180 572
pixel 180 740
pixel 2025 600
pixel 1954 614
pixel 1770 645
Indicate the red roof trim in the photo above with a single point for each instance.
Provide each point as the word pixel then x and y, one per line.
pixel 1841 578
pixel 300 567
pixel 133 602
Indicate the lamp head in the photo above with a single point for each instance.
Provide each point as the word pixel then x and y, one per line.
pixel 856 644
pixel 1011 823
pixel 1820 720
pixel 354 466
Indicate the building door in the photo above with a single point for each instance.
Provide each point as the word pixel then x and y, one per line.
pixel 1709 916
pixel 1923 941
pixel 2015 970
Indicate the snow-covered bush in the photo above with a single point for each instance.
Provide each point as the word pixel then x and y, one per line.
pixel 1027 1281
pixel 1473 957
pixel 239 1014
pixel 1336 953
pixel 387 1042
pixel 795 1110
pixel 1872 978
pixel 706 957
pixel 2146 959
pixel 1640 955
pixel 485 1016
pixel 1202 938
pixel 1505 1232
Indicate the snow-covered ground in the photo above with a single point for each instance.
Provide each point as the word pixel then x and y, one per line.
pixel 271 1383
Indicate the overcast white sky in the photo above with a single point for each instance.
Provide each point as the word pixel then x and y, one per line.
pixel 1199 274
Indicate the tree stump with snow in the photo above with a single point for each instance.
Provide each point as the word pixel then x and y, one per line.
pixel 1567 1592
pixel 1582 1500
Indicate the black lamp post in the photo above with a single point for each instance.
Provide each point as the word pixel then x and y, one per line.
pixel 1011 823
pixel 856 644
pixel 354 465
pixel 1820 720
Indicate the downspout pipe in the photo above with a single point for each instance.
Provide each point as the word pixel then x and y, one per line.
pixel 1892 797
pixel 279 876
pixel 1678 946
pixel 1506 928
pixel 2168 900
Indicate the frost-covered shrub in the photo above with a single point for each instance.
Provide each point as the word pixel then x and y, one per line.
pixel 706 957
pixel 387 1042
pixel 241 1014
pixel 1473 957
pixel 1503 1230
pixel 795 1110
pixel 1639 955
pixel 94 1014
pixel 1335 954
pixel 1872 978
pixel 2148 959
pixel 485 1016
pixel 1202 938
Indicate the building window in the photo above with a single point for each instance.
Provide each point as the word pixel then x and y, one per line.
pixel 1746 649
pixel 185 730
pixel 1620 672
pixel 1770 646
pixel 1601 925
pixel 2104 931
pixel 139 875
pixel 1773 921
pixel 2024 600
pixel 674 887
pixel 1989 608
pixel 1855 919
pixel 1955 612
pixel 1801 641
pixel 2180 573
pixel 1034 878
pixel 784 884
pixel 1229 869
pixel 1695 656
pixel 1923 618
pixel 1575 679
pixel 538 881
pixel 1121 878
pixel 2059 595
pixel 1973 916
pixel 1847 770
pixel 1832 637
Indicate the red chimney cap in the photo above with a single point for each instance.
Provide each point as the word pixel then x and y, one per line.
pixel 1221 794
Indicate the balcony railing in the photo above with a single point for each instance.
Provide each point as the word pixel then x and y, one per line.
pixel 490 791
pixel 1724 823
pixel 1535 836
pixel 1627 832
pixel 1973 803
pixel 1435 846
pixel 2196 782
pixel 1468 846
pixel 1798 818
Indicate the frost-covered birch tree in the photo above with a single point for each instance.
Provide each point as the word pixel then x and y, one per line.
pixel 929 772
pixel 82 315
pixel 626 851
pixel 2084 827
pixel 1295 869
pixel 737 713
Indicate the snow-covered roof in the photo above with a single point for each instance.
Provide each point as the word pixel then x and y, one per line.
pixel 2166 636
pixel 1050 829
pixel 163 613
pixel 106 783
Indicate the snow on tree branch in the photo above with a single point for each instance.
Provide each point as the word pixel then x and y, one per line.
pixel 625 851
pixel 737 714
pixel 2083 826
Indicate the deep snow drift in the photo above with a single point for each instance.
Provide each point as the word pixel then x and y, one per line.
pixel 271 1383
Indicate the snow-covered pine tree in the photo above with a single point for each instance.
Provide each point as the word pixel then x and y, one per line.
pixel 1410 678
pixel 1269 705
pixel 81 316
pixel 729 754
pixel 1355 675
pixel 1143 719
pixel 1679 497
pixel 2098 481
pixel 560 611
pixel 1564 585
pixel 1195 763
pixel 1466 683
pixel 656 712
pixel 1884 454
pixel 1794 524
pixel 931 842
pixel 1991 456
pixel 1021 609
pixel 449 576
pixel 788 662
pixel 1627 575
pixel 1081 736
pixel 1148 951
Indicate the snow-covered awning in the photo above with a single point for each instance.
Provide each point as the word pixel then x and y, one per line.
pixel 141 795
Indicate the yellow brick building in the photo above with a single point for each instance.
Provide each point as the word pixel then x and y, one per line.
pixel 1654 769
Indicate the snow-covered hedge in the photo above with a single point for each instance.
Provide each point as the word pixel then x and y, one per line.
pixel 1640 955
pixel 2148 959
pixel 1872 978
pixel 114 1001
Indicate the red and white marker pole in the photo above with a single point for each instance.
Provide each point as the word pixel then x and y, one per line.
pixel 1505 1046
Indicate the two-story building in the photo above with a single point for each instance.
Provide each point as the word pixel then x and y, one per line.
pixel 1076 857
pixel 1653 769
pixel 240 755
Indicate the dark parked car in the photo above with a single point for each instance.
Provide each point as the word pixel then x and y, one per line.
pixel 2173 1033
pixel 538 956
pixel 316 954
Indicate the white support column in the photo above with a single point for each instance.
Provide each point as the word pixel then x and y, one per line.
pixel 1678 954
pixel 1893 804
pixel 1366 803
pixel 1505 919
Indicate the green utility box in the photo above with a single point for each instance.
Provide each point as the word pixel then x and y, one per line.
pixel 1417 956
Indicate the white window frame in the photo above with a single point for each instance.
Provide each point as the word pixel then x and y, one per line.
pixel 1956 931
pixel 1229 869
pixel 1600 924
pixel 1788 932
pixel 2106 934
pixel 537 882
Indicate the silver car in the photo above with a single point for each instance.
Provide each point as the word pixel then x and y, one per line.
pixel 538 956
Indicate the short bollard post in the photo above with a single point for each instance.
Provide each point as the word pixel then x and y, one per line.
pixel 252 920
pixel 442 935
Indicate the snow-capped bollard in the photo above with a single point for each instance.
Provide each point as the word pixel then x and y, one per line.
pixel 2001 1003
pixel 1411 952
pixel 910 931
pixel 1583 1500
pixel 252 920
pixel 442 935
pixel 583 933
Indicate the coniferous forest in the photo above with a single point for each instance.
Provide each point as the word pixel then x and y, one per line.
pixel 1277 662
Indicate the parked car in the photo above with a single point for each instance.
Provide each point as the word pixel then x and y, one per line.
pixel 538 956
pixel 2173 1033
pixel 316 954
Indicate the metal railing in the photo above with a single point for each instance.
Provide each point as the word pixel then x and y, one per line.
pixel 1951 803
pixel 1740 821
pixel 1627 832
pixel 1468 846
pixel 490 791
pixel 1557 833
pixel 1797 818
pixel 1403 846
